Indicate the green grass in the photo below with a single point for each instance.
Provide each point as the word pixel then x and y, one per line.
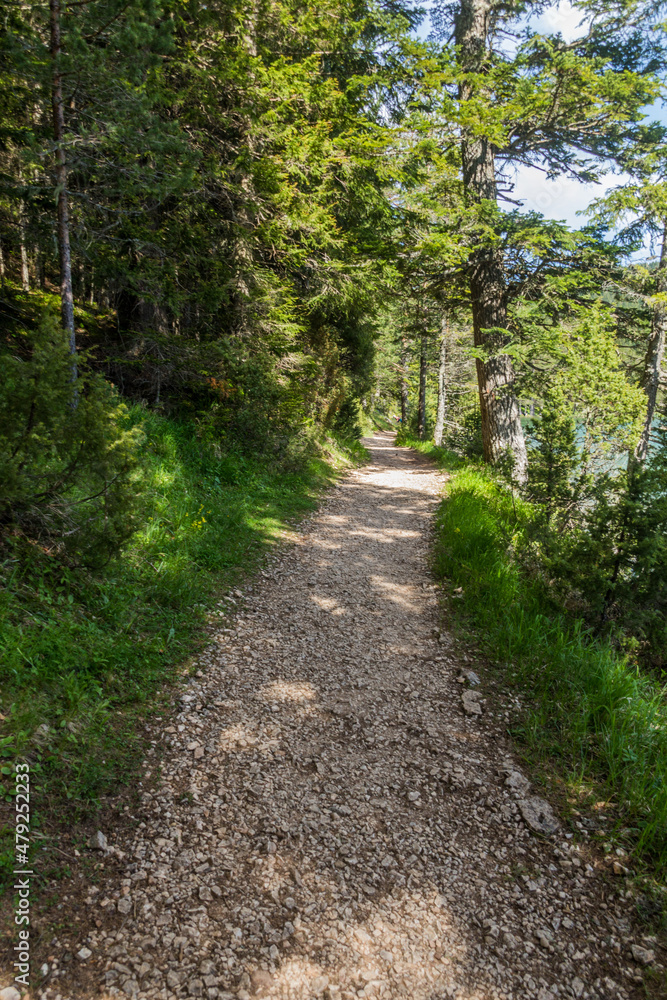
pixel 589 713
pixel 85 656
pixel 375 421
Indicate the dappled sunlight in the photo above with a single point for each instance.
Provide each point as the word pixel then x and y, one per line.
pixel 238 738
pixel 384 537
pixel 403 594
pixel 299 977
pixel 164 476
pixel 349 832
pixel 404 944
pixel 298 692
pixel 328 604
pixel 328 546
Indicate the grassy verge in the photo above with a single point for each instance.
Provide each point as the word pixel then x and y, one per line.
pixel 588 712
pixel 84 656
pixel 376 421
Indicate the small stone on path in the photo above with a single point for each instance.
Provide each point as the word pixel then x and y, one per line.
pixel 98 842
pixel 645 956
pixel 471 703
pixel 539 815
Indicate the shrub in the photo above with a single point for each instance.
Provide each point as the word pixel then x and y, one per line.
pixel 66 454
pixel 347 422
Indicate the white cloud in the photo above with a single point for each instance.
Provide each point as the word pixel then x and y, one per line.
pixel 560 198
pixel 563 197
pixel 561 17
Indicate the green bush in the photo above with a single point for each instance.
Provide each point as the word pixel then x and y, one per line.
pixel 347 422
pixel 66 452
pixel 553 461
pixel 600 541
pixel 617 561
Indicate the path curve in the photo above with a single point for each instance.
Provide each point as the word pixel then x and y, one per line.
pixel 329 822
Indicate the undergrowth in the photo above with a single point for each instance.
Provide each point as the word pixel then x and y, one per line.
pixel 85 654
pixel 588 710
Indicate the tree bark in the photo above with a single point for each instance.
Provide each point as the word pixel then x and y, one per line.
pixel 501 419
pixel 442 385
pixel 655 351
pixel 64 251
pixel 404 383
pixel 25 269
pixel 421 415
pixel 39 268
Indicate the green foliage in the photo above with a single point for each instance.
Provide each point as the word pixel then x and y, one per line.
pixel 66 453
pixel 270 223
pixel 553 461
pixel 600 541
pixel 226 195
pixel 347 422
pixel 592 379
pixel 617 560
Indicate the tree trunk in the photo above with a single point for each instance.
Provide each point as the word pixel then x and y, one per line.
pixel 250 38
pixel 404 383
pixel 25 269
pixel 653 357
pixel 64 252
pixel 501 419
pixel 421 415
pixel 442 385
pixel 39 268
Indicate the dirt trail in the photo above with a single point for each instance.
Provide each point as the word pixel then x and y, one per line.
pixel 329 822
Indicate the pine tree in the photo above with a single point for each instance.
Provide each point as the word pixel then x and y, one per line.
pixel 522 103
pixel 554 460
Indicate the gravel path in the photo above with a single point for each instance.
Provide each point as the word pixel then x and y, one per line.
pixel 329 821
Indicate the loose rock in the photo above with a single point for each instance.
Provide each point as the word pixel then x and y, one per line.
pixel 645 956
pixel 539 815
pixel 98 842
pixel 471 703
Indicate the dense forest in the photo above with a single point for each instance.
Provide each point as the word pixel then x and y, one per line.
pixel 232 237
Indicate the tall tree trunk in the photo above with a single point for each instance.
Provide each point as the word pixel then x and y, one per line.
pixel 25 269
pixel 64 252
pixel 421 415
pixel 501 419
pixel 404 383
pixel 442 385
pixel 653 358
pixel 39 268
pixel 250 38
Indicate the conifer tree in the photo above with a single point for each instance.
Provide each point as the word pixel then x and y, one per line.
pixel 563 107
pixel 640 208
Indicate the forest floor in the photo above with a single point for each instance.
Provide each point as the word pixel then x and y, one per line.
pixel 334 808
